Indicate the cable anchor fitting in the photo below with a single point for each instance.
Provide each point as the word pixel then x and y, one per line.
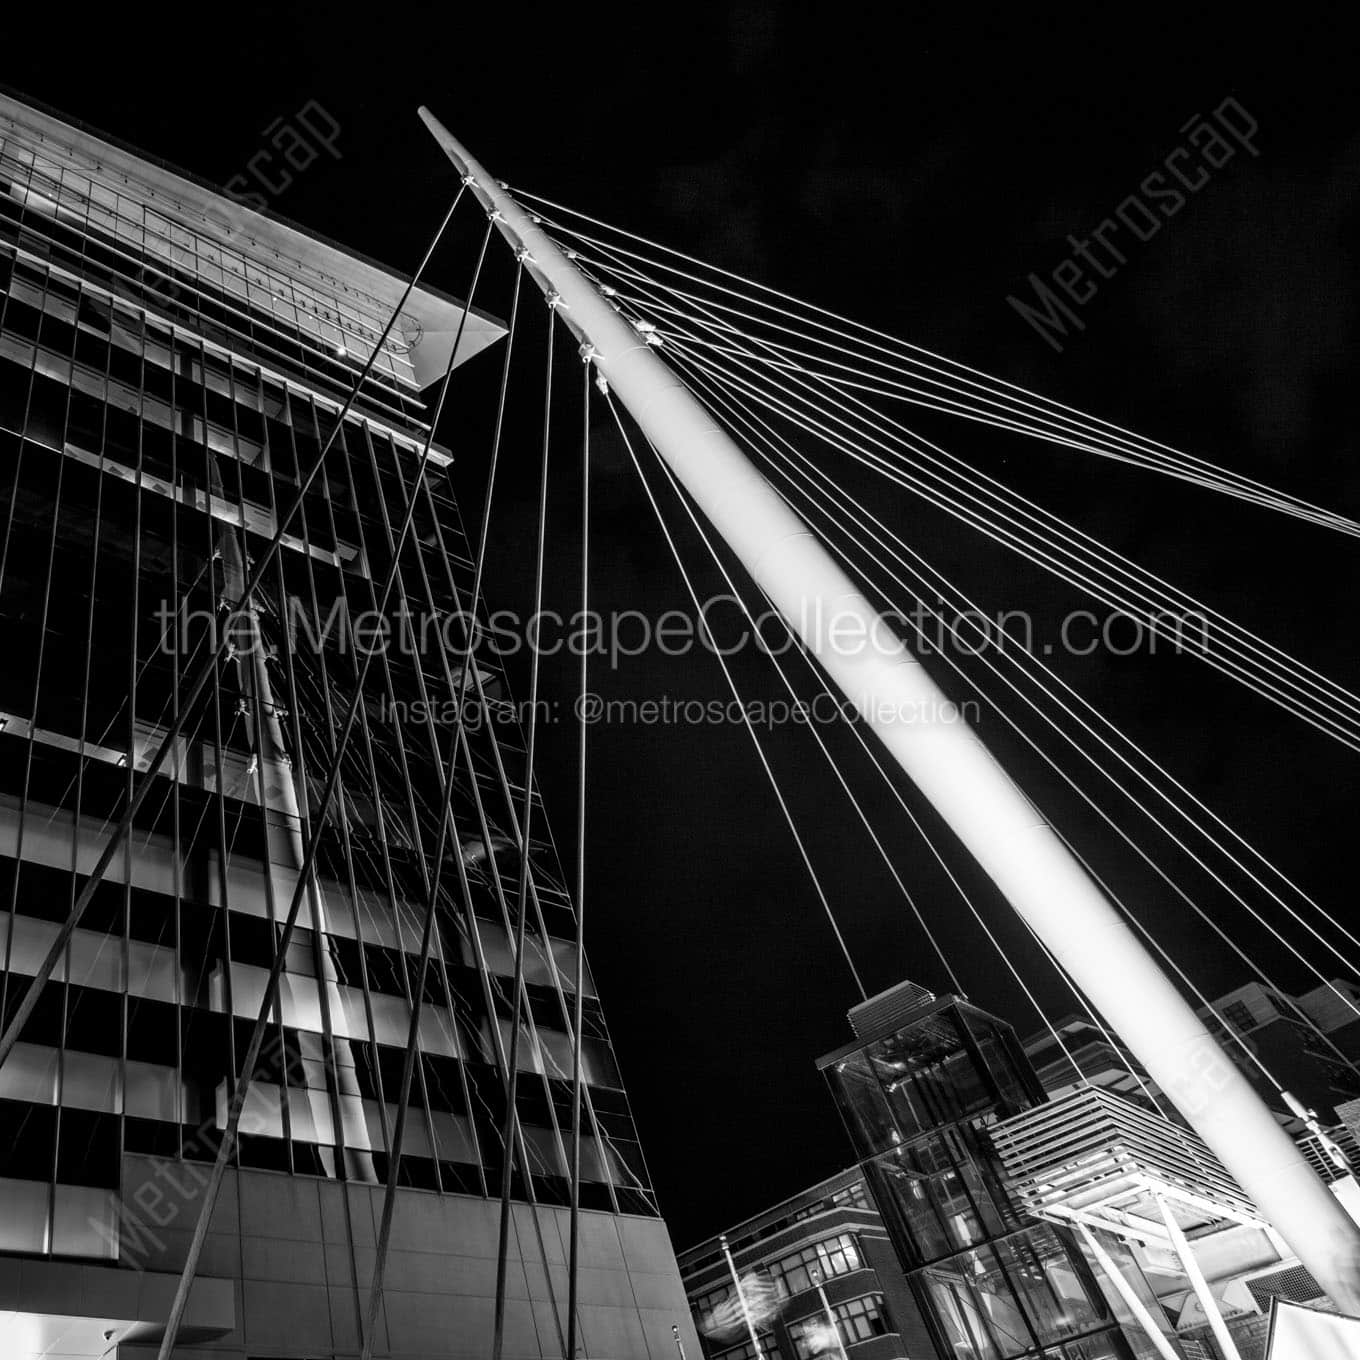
pixel 648 331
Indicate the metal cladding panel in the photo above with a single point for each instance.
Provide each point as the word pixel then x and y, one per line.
pixel 301 1262
pixel 1303 1334
pixel 889 1010
pixel 1092 1145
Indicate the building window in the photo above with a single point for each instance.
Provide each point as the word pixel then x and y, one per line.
pixel 856 1320
pixel 856 1197
pixel 704 1307
pixel 706 1303
pixel 1239 1016
pixel 837 1255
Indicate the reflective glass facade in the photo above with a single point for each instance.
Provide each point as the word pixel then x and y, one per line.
pixel 992 1284
pixel 161 395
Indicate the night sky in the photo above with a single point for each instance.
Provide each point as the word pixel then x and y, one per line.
pixel 908 165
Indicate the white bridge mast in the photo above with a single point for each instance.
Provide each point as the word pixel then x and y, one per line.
pixel 945 759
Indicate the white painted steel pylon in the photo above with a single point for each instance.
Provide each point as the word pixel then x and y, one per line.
pixel 944 758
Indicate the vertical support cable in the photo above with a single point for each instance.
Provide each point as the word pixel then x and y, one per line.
pixel 578 1014
pixel 399 782
pixel 749 727
pixel 471 674
pixel 518 999
pixel 431 904
pixel 459 696
pixel 295 672
pixel 457 692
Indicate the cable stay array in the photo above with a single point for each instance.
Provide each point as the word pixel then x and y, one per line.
pixel 762 386
pixel 849 426
pixel 863 355
pixel 1164 790
pixel 923 582
pixel 448 820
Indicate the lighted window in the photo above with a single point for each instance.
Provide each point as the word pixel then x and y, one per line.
pixel 23 1215
pixel 703 1304
pixel 837 1255
pixel 30 1074
pixel 85 1222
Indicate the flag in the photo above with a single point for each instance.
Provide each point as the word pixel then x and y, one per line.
pixel 762 1297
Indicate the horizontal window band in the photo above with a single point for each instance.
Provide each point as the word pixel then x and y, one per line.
pixel 409 442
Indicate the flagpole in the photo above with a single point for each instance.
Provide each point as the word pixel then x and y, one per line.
pixel 815 1275
pixel 741 1297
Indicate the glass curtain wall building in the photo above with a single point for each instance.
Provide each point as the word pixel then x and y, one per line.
pixel 917 1091
pixel 171 366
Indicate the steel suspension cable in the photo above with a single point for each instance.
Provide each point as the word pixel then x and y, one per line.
pixel 855 803
pixel 522 898
pixel 1007 961
pixel 994 491
pixel 574 1226
pixel 1128 840
pixel 375 1292
pixel 1058 430
pixel 864 517
pixel 990 494
pixel 481 698
pixel 791 690
pixel 904 351
pixel 1176 840
pixel 750 729
pixel 929 842
pixel 459 693
pixel 1148 616
pixel 1010 500
pixel 1041 666
pixel 1218 929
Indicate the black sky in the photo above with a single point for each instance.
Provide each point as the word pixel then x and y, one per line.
pixel 909 165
